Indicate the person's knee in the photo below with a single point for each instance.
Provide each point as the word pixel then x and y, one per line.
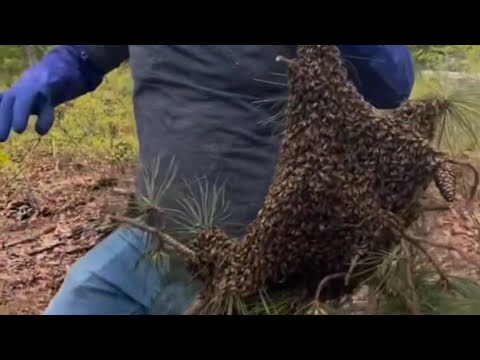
pixel 107 280
pixel 118 277
pixel 85 293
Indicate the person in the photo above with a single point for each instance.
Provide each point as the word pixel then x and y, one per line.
pixel 209 107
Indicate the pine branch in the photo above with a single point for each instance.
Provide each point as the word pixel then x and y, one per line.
pixel 476 177
pixel 179 248
pixel 197 306
pixel 325 282
pixel 414 303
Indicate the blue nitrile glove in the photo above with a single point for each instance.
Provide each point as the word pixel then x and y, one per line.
pixel 62 75
pixel 384 74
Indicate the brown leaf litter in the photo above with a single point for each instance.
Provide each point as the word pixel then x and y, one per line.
pixel 53 216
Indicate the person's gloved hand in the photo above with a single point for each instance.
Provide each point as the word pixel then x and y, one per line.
pixel 384 74
pixel 62 75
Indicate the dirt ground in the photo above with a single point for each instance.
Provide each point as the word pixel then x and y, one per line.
pixel 54 213
pixel 52 216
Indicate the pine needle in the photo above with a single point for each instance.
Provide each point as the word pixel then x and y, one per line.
pixel 460 124
pixel 463 298
pixel 202 206
pixel 166 240
pixel 228 305
pixel 278 305
pixel 149 205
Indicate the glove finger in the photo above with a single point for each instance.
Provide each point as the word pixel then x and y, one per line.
pixel 21 112
pixel 6 115
pixel 45 120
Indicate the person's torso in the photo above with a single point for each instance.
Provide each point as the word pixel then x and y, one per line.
pixel 215 109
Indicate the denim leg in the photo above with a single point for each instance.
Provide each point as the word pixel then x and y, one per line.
pixel 118 277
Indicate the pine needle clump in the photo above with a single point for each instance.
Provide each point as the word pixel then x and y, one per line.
pixel 348 185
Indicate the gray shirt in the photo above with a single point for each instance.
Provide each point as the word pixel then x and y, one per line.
pixel 214 108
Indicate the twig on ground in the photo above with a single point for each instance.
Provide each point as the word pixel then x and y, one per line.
pixel 103 183
pixel 45 248
pixel 70 206
pixel 30 238
pixel 121 192
pixel 79 249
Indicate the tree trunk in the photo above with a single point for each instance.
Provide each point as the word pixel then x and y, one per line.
pixel 31 54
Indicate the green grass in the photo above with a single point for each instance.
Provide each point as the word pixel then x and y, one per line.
pixel 101 126
pixel 97 126
pixel 459 130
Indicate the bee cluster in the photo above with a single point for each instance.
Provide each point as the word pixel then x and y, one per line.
pixel 346 185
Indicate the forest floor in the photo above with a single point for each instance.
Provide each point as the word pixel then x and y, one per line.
pixel 54 213
pixel 52 216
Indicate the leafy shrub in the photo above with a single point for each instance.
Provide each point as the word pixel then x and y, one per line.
pixel 97 126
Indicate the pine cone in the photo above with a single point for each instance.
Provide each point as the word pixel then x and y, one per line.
pixel 445 181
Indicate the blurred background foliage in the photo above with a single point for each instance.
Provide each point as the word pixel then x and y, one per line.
pixel 101 125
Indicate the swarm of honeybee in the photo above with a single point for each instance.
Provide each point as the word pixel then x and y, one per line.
pixel 347 185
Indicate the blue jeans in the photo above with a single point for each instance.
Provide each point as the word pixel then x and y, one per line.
pixel 118 277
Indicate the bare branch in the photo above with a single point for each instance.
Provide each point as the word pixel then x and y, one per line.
pixel 435 208
pixel 283 59
pixel 432 260
pixel 449 247
pixel 325 281
pixel 414 303
pixel 353 264
pixel 179 248
pixel 418 243
pixel 197 306
pixel 476 177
